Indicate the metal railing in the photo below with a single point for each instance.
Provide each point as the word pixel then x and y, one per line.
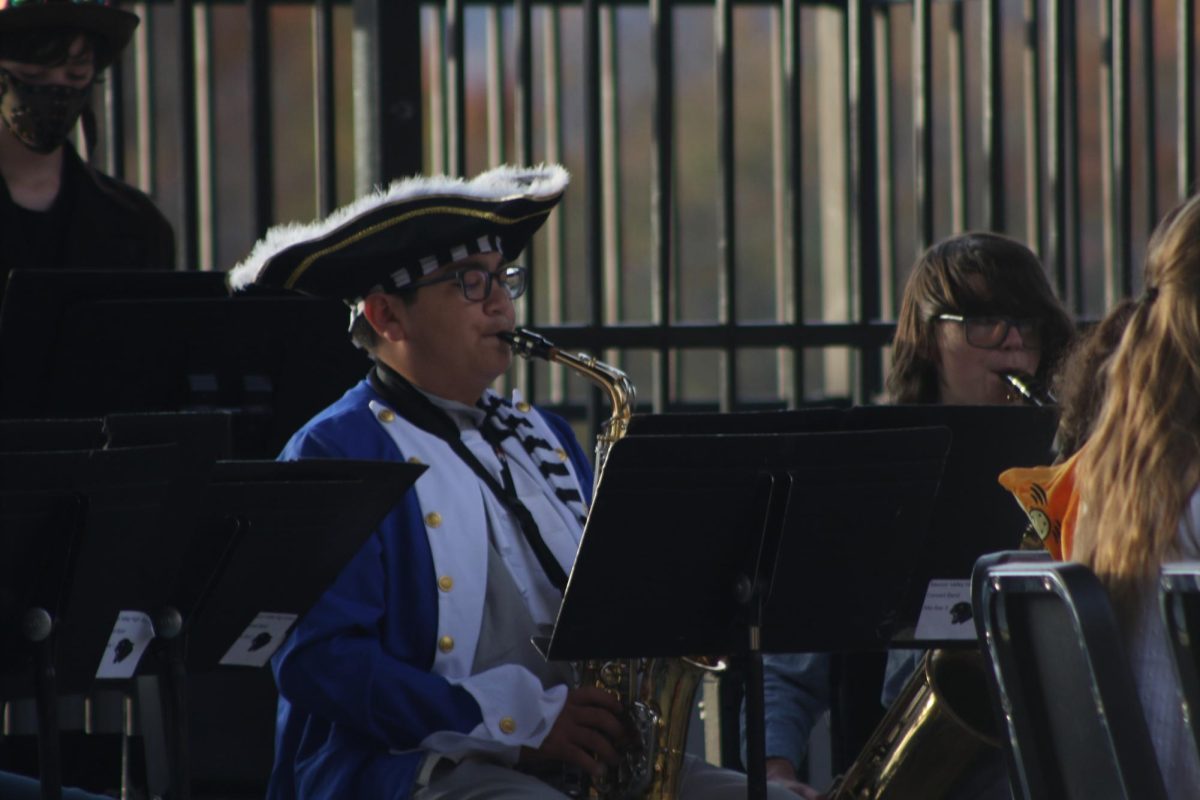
pixel 752 179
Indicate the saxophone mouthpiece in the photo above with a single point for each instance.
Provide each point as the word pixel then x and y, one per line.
pixel 1027 388
pixel 527 343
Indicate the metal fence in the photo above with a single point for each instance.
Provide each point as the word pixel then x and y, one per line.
pixel 751 180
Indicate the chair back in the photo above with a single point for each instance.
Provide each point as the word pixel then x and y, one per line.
pixel 1063 683
pixel 1179 600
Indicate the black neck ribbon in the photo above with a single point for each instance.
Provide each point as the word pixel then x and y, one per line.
pixel 410 403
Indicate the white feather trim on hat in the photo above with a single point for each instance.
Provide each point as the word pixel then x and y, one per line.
pixel 498 184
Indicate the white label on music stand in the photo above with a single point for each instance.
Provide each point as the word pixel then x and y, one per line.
pixel 947 611
pixel 259 641
pixel 128 640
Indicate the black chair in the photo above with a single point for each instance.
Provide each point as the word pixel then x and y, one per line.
pixel 1062 683
pixel 1179 596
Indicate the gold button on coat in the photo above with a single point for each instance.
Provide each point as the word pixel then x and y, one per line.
pixel 446 644
pixel 508 725
pixel 523 407
pixel 414 460
pixel 433 519
pixel 387 415
pixel 445 583
pixel 562 454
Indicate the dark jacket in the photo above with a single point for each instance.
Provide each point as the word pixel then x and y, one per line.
pixel 97 222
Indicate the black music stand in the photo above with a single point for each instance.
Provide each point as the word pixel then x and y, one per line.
pixel 698 526
pixel 83 535
pixel 974 514
pixel 272 360
pixel 272 536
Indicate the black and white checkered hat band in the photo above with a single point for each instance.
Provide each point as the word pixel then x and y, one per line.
pixel 416 270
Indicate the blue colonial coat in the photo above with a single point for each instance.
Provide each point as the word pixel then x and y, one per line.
pixel 378 672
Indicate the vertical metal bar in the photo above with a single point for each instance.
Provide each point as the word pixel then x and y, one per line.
pixel 593 161
pixel 1061 53
pixel 955 83
pixel 1122 209
pixel 792 33
pixel 205 132
pixel 1150 115
pixel 144 99
pixel 922 69
pixel 1071 98
pixel 261 166
pixel 456 82
pixel 863 196
pixel 779 227
pixel 1108 157
pixel 1054 254
pixel 887 158
pixel 436 61
pixel 610 139
pixel 555 236
pixel 387 91
pixel 1034 159
pixel 523 90
pixel 523 154
pixel 993 122
pixel 593 171
pixel 187 232
pixel 960 197
pixel 495 87
pixel 324 118
pixel 726 194
pixel 1186 97
pixel 114 121
pixel 787 135
pixel 661 176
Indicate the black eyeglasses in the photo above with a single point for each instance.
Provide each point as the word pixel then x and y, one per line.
pixel 991 331
pixel 476 282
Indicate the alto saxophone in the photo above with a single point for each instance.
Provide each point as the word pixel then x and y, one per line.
pixel 657 693
pixel 942 719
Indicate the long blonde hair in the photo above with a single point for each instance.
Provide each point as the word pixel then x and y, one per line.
pixel 1142 463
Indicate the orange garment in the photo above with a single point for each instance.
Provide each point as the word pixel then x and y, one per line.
pixel 1051 501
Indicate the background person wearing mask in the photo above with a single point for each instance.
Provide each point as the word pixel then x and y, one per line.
pixel 56 211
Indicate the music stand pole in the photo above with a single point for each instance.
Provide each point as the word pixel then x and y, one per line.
pixel 38 627
pixel 169 625
pixel 756 744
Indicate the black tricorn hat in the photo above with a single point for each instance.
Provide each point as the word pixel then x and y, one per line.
pixel 99 17
pixel 386 240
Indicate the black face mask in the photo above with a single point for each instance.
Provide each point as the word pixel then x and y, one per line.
pixel 41 116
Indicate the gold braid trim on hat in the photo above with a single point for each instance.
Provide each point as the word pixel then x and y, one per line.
pixel 420 212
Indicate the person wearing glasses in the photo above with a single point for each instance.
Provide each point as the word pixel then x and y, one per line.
pixel 415 675
pixel 976 305
pixel 56 210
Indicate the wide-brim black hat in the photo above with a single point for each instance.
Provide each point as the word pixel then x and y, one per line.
pixel 99 17
pixel 388 239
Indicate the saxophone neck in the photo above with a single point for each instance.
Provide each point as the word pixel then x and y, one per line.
pixel 620 389
pixel 616 383
pixel 1028 389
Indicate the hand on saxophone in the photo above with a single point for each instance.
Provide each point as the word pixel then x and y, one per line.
pixel 586 734
pixel 781 771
